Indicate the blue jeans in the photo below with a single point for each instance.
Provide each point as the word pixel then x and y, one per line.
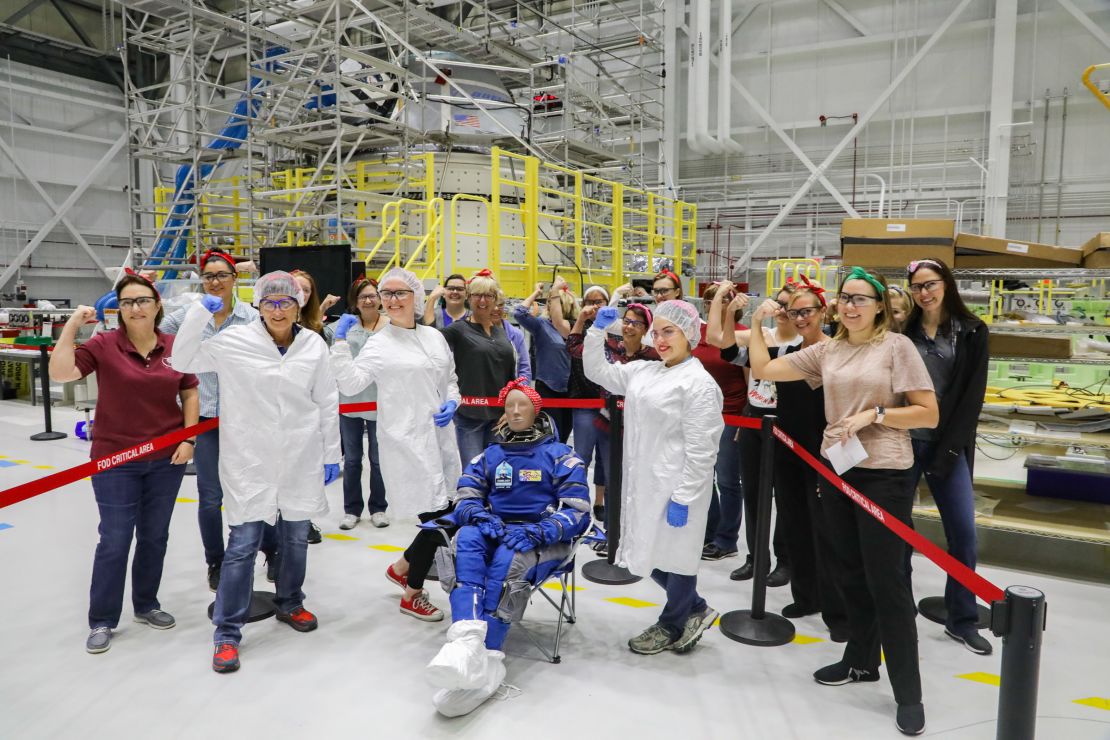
pixel 351 432
pixel 682 599
pixel 473 435
pixel 726 508
pixel 136 501
pixel 587 438
pixel 206 459
pixel 233 598
pixel 956 501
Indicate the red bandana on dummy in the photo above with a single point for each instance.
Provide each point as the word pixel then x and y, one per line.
pixel 520 384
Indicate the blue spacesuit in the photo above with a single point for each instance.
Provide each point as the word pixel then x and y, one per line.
pixel 520 504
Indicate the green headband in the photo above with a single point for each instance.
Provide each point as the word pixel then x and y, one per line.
pixel 858 273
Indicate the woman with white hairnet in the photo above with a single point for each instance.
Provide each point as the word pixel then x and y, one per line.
pixel 672 424
pixel 280 410
pixel 417 397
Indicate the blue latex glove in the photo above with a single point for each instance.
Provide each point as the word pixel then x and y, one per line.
pixel 605 316
pixel 212 302
pixel 446 413
pixel 677 514
pixel 488 524
pixel 331 472
pixel 346 321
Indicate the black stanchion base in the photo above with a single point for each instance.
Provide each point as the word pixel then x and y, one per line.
pixel 933 609
pixel 48 436
pixel 262 606
pixel 600 571
pixel 770 631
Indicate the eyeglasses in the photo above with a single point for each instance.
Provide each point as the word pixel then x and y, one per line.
pixel 398 295
pixel 858 300
pixel 634 322
pixel 669 333
pixel 594 302
pixel 454 288
pixel 133 303
pixel 801 313
pixel 368 298
pixel 216 277
pixel 483 296
pixel 281 304
pixel 662 291
pixel 926 287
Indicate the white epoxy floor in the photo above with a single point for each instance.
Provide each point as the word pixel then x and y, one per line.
pixel 360 674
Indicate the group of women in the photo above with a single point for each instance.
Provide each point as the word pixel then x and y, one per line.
pixel 269 374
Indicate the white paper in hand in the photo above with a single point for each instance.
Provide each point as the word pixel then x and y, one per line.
pixel 845 456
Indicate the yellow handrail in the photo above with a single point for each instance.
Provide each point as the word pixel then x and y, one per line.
pixel 388 228
pixel 1091 86
pixel 435 209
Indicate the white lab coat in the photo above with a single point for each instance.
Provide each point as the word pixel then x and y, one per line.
pixel 415 373
pixel 279 416
pixel 672 428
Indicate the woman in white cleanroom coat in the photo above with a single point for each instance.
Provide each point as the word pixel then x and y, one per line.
pixel 672 424
pixel 279 412
pixel 418 393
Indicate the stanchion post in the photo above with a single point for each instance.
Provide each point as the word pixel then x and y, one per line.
pixel 1020 622
pixel 607 571
pixel 755 626
pixel 44 378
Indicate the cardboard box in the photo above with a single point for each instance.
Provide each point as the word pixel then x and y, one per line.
pixel 974 251
pixel 1096 252
pixel 1018 345
pixel 890 242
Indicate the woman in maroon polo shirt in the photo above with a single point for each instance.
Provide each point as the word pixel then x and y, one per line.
pixel 138 400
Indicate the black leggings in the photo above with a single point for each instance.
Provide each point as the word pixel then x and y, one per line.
pixel 561 417
pixel 422 552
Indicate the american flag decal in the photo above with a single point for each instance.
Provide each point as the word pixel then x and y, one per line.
pixel 466 120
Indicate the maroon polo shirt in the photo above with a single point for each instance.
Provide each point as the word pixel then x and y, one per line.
pixel 730 377
pixel 137 398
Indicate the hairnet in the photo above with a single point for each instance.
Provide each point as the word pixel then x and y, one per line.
pixel 598 289
pixel 684 316
pixel 412 282
pixel 278 283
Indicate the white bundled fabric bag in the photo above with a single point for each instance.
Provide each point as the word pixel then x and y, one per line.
pixel 461 663
pixel 459 702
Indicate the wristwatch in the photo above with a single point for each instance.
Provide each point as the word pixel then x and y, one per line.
pixel 192 442
pixel 880 414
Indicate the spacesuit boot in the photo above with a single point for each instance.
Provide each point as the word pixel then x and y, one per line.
pixel 496 631
pixel 461 662
pixel 459 702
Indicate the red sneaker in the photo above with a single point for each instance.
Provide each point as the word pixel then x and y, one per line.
pixel 226 658
pixel 421 608
pixel 300 619
pixel 392 577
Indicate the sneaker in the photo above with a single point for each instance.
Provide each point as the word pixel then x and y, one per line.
pixel 214 577
pixel 99 640
pixel 696 625
pixel 972 640
pixel 601 548
pixel 392 577
pixel 910 719
pixel 300 619
pixel 841 673
pixel 226 657
pixel 271 567
pixel 349 521
pixel 780 576
pixel 422 609
pixel 314 536
pixel 797 611
pixel 655 639
pixel 712 552
pixel 379 519
pixel 157 619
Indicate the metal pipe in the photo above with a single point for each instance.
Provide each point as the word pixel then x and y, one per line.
pixel 882 189
pixel 1044 161
pixel 1060 177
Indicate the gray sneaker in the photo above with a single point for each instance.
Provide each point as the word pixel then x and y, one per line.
pixel 100 639
pixel 157 619
pixel 655 639
pixel 696 625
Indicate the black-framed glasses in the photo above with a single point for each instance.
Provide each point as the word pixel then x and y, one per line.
pixel 368 298
pixel 483 296
pixel 214 277
pixel 926 287
pixel 399 295
pixel 132 303
pixel 280 304
pixel 859 300
pixel 594 302
pixel 634 322
pixel 801 313
pixel 454 288
pixel 662 291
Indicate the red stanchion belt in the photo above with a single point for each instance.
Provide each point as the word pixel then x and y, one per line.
pixel 974 582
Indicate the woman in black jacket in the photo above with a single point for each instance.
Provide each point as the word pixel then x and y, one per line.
pixel 953 343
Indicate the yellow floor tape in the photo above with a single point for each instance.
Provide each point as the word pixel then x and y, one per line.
pixel 386 548
pixel 1094 701
pixel 183 500
pixel 629 601
pixel 340 537
pixel 988 678
pixel 806 639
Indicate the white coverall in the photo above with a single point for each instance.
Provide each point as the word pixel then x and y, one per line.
pixel 672 428
pixel 415 373
pixel 279 416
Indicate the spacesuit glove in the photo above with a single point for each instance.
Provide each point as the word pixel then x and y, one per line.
pixel 331 472
pixel 346 321
pixel 446 413
pixel 488 524
pixel 677 514
pixel 212 303
pixel 528 537
pixel 605 316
